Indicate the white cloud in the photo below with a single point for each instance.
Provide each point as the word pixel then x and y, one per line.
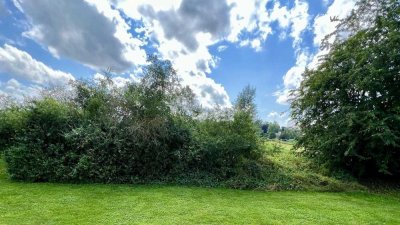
pixel 222 48
pixel 283 118
pixel 256 44
pixel 326 2
pixel 95 33
pixel 131 7
pixel 209 92
pixel 293 77
pixel 91 32
pixel 295 19
pixel 249 17
pixel 181 32
pixel 273 114
pixel 283 96
pixel 299 19
pixel 325 24
pixel 18 91
pixel 19 64
pixel 322 26
pixel 118 81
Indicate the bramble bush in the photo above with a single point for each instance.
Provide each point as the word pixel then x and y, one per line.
pixel 150 131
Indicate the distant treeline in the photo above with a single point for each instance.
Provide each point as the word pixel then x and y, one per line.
pixel 272 130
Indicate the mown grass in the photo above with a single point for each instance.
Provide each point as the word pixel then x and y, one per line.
pixel 46 203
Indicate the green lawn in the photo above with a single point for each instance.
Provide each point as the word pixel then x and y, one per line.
pixel 43 203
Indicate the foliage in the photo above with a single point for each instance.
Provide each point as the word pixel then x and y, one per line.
pixel 12 123
pixel 348 108
pixel 144 132
pixel 273 129
pixel 245 101
pixel 270 129
pixel 289 133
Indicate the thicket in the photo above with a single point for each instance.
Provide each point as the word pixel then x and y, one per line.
pixel 150 131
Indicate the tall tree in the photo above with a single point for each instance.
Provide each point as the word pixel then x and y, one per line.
pixel 245 100
pixel 349 107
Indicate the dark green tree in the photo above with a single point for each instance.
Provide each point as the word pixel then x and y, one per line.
pixel 348 108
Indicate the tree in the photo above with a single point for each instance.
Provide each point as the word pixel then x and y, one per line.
pixel 349 106
pixel 288 133
pixel 245 100
pixel 264 128
pixel 273 129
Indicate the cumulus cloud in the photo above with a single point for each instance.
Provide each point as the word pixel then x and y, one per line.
pixel 14 89
pixel 117 81
pixel 249 19
pixel 89 32
pixel 99 33
pixel 191 18
pixel 19 64
pixel 182 31
pixel 283 118
pixel 209 92
pixel 295 19
pixel 322 26
pixel 292 78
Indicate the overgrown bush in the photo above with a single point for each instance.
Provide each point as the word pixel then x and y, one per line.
pixel 144 132
pixel 12 123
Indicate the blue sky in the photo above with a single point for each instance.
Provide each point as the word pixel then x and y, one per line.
pixel 217 47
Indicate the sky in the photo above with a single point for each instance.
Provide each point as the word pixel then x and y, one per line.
pixel 217 46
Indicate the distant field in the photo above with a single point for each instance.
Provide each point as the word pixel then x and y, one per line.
pixel 41 203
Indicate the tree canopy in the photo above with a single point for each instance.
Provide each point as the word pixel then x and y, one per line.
pixel 349 106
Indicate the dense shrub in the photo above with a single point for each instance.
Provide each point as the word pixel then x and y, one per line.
pixel 222 145
pixel 12 123
pixel 39 151
pixel 144 132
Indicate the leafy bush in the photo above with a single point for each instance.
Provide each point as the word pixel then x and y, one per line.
pixel 12 123
pixel 144 132
pixel 223 144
